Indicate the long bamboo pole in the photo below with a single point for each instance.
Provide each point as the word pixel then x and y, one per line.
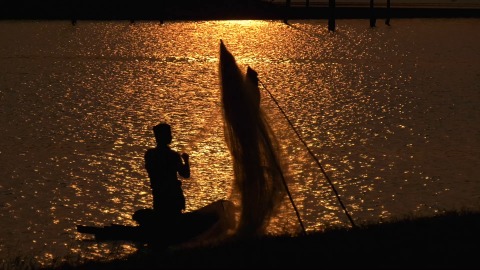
pixel 311 154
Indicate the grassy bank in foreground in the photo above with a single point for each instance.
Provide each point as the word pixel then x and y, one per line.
pixel 450 240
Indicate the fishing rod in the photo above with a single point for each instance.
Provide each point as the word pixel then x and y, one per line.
pixel 310 152
pixel 290 197
pixel 278 167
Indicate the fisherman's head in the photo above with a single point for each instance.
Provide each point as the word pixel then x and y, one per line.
pixel 252 75
pixel 163 134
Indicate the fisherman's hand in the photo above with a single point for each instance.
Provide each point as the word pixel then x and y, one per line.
pixel 185 157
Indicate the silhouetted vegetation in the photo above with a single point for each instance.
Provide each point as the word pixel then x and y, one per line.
pixel 210 10
pixel 445 241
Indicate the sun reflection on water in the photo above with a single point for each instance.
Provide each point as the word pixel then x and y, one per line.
pixel 242 23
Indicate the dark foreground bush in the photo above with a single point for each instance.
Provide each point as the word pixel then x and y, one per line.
pixel 448 241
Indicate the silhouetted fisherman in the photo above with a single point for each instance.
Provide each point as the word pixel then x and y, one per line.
pixel 252 77
pixel 163 164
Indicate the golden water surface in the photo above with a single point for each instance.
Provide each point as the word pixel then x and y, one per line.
pixel 390 113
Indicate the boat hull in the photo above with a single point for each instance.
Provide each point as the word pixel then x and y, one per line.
pixel 213 220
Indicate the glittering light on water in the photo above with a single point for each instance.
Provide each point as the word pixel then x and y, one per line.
pixel 243 23
pixel 77 106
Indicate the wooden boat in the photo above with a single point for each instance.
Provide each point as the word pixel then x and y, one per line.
pixel 213 220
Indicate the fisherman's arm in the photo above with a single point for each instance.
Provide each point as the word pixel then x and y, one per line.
pixel 184 167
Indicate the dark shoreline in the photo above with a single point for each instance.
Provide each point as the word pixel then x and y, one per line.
pixel 101 11
pixel 445 241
